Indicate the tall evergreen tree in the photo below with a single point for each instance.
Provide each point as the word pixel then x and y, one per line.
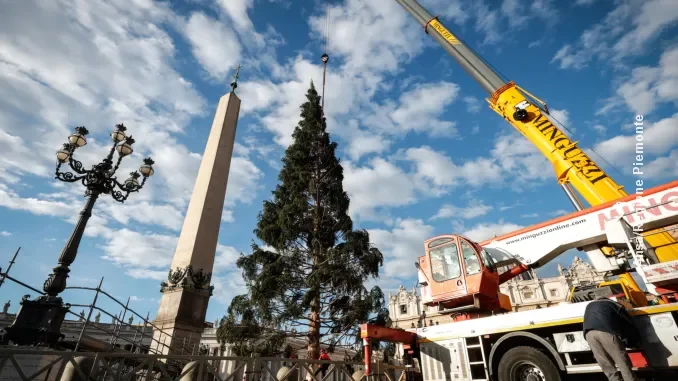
pixel 308 279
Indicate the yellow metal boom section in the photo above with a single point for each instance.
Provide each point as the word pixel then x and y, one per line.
pixel 570 162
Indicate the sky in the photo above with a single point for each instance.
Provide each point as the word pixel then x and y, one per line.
pixel 423 155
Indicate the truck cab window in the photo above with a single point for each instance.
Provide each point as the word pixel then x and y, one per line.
pixel 445 263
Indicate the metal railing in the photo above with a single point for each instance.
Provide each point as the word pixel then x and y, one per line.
pixel 35 365
pixel 135 344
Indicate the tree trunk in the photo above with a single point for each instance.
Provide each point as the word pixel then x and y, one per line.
pixel 314 329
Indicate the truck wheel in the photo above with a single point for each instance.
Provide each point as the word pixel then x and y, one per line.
pixel 527 364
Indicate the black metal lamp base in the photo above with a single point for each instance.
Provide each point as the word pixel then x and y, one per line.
pixel 37 323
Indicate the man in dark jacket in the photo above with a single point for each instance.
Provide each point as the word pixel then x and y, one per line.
pixel 608 329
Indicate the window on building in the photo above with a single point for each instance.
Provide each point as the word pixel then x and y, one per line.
pixel 554 292
pixel 470 259
pixel 403 309
pixel 528 294
pixel 445 263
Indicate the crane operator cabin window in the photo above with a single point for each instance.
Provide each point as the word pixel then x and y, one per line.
pixel 445 263
pixel 470 259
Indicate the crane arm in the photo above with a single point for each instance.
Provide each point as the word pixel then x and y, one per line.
pixel 392 335
pixel 535 246
pixel 524 112
pixel 369 332
pixel 488 79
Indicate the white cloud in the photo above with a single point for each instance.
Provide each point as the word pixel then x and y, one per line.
pixel 378 184
pixel 139 250
pixel 436 171
pixel 420 108
pixel 648 87
pixel 139 273
pixel 363 141
pixel 518 14
pixel 456 10
pixel 4 233
pixel 561 118
pixel 243 181
pixel 599 128
pixel 518 156
pixel 472 104
pixel 663 167
pixel 17 158
pixel 569 58
pixel 507 207
pixel 374 36
pixel 658 139
pixel 164 215
pixel 432 173
pixel 653 17
pixel 487 231
pixel 487 22
pixel 214 44
pixel 559 212
pixel 228 285
pixel 472 210
pixel 225 258
pixel 237 12
pixel 11 200
pixel 401 246
pixel 607 40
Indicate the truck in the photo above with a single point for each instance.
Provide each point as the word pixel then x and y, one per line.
pixel 574 169
pixel 484 340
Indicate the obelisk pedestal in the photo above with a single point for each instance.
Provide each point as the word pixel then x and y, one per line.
pixel 186 293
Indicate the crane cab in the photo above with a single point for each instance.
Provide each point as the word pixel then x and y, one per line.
pixel 458 275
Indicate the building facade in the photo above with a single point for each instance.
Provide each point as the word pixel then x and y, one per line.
pixel 535 292
pixel 526 293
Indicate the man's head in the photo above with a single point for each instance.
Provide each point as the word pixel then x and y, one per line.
pixel 602 298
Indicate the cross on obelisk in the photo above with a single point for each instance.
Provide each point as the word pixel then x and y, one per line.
pixel 186 293
pixel 234 84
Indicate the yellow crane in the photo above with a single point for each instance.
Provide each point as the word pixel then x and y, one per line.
pixel 529 115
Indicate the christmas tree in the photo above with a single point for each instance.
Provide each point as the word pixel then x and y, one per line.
pixel 309 277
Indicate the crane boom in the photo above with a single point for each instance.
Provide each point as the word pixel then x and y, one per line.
pixel 488 79
pixel 531 118
pixel 537 245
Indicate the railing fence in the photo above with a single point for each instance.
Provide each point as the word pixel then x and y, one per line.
pixel 44 365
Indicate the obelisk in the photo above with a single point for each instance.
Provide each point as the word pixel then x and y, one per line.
pixel 186 293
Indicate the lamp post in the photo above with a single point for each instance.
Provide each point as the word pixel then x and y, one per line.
pixel 38 321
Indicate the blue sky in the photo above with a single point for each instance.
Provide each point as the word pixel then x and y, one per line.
pixel 422 153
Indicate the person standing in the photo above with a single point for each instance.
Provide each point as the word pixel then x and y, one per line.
pixel 323 367
pixel 608 329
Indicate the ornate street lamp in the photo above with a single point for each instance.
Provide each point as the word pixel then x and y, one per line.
pixel 38 321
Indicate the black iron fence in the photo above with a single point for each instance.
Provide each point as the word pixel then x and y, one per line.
pixel 36 365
